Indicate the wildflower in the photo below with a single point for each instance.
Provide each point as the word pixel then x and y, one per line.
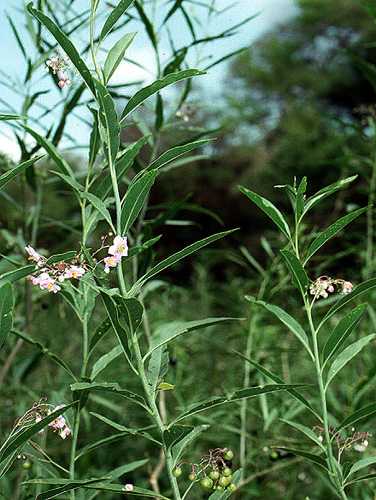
pixel 33 255
pixel 59 65
pixel 111 261
pixel 346 287
pixel 128 487
pixel 119 247
pixel 74 272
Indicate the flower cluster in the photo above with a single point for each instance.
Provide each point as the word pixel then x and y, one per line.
pixel 37 413
pixel 47 276
pixel 116 251
pixel 324 285
pixel 358 439
pixel 59 65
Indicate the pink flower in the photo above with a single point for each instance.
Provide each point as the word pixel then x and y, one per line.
pixel 128 487
pixel 33 255
pixel 74 272
pixel 111 261
pixel 347 287
pixel 119 247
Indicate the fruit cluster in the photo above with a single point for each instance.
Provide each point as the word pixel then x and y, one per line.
pixel 213 472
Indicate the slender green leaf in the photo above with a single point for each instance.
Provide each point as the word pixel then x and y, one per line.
pixel 126 430
pixel 11 117
pixel 8 176
pixel 332 230
pixel 79 188
pixel 367 477
pixel 235 396
pixel 175 258
pixel 175 152
pixel 67 485
pixel 112 387
pixel 66 45
pixel 104 361
pixel 278 380
pixel 95 138
pixel 131 313
pixel 140 96
pixel 363 287
pixel 108 118
pixel 300 198
pixel 179 448
pixel 326 191
pixel 99 333
pixel 175 433
pixel 100 206
pixel 299 276
pixel 342 330
pixel 149 28
pixel 307 431
pixel 287 320
pixel 134 200
pixel 357 415
pixel 6 306
pixel 157 367
pixel 16 275
pixel 116 55
pixel 169 331
pixel 362 464
pixel 270 210
pixel 113 18
pixel 309 456
pixel 350 352
pixel 52 151
pixel 59 257
pixel 45 351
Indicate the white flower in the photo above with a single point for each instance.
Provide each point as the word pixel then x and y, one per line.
pixel 119 247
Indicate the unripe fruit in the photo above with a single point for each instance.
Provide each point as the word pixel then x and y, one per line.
pixel 214 474
pixel 206 483
pixel 223 481
pixel 231 487
pixel 226 471
pixel 229 455
pixel 219 488
pixel 177 471
pixel 26 465
pixel 192 476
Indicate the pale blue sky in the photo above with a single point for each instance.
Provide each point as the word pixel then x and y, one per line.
pixel 12 63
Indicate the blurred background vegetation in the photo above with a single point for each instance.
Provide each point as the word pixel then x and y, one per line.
pixel 293 104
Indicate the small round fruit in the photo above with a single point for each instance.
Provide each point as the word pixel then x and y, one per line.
pixel 192 476
pixel 177 471
pixel 226 471
pixel 219 488
pixel 214 474
pixel 223 481
pixel 206 483
pixel 26 465
pixel 231 487
pixel 229 455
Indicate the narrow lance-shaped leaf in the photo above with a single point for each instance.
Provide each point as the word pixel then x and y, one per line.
pixel 6 306
pixel 44 350
pixel 287 320
pixel 326 191
pixel 358 290
pixel 116 55
pixel 8 176
pixel 100 206
pixel 175 258
pixel 270 210
pixel 342 330
pixel 104 361
pixel 299 276
pixel 300 198
pixel 361 464
pixel 110 122
pixel 278 380
pixel 235 396
pixel 307 431
pixel 367 411
pixel 175 433
pixel 66 45
pixel 348 354
pixel 11 117
pixel 175 152
pixel 179 447
pixel 332 230
pixel 134 200
pixel 13 276
pixel 144 93
pixel 113 18
pixel 318 460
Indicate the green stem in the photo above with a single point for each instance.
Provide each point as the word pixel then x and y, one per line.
pixel 331 460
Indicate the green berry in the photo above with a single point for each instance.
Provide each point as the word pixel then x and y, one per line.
pixel 26 465
pixel 223 481
pixel 192 476
pixel 219 488
pixel 226 471
pixel 214 474
pixel 229 455
pixel 177 471
pixel 231 487
pixel 206 483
